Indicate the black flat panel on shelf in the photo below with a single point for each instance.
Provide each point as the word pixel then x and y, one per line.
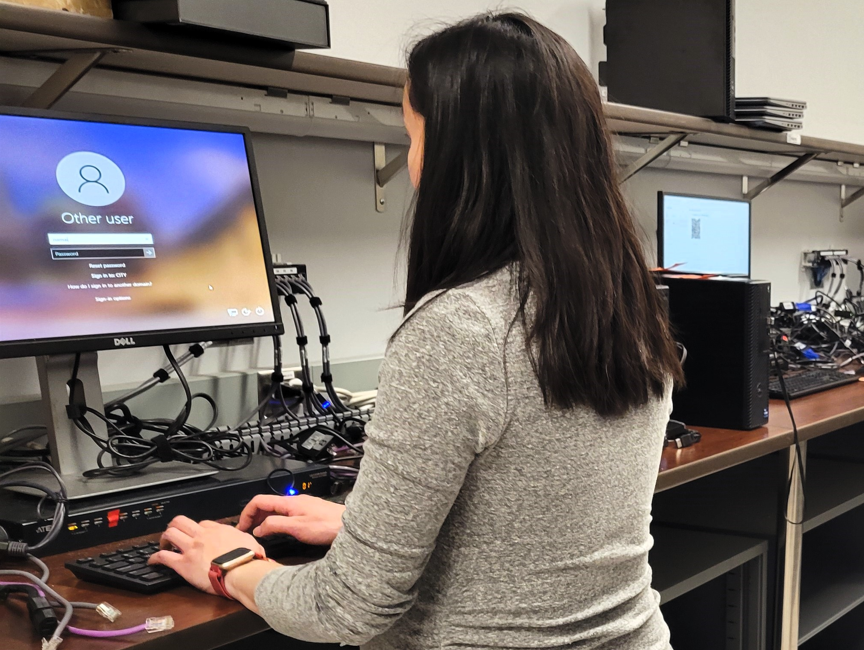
pixel 295 23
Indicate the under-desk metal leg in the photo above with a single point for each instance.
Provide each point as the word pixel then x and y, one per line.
pixel 792 560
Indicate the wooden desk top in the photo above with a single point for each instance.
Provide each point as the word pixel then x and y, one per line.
pixel 719 449
pixel 201 622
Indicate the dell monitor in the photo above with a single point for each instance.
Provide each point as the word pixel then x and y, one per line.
pixel 703 235
pixel 124 233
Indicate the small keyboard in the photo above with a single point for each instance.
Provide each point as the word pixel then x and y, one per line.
pixel 127 568
pixel 808 382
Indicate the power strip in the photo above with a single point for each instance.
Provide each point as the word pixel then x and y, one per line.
pixel 256 433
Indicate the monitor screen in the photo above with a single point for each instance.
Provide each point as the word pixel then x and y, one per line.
pixel 703 235
pixel 117 234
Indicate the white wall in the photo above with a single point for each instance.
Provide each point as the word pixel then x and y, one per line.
pixel 380 31
pixel 796 49
pixel 807 50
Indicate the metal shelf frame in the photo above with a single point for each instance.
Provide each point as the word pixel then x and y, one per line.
pixel 82 42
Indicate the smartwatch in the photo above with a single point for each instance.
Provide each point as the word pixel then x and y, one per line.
pixel 224 563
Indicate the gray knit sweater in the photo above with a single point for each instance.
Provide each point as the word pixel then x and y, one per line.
pixel 482 519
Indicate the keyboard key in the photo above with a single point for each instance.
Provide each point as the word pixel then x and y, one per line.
pixel 114 566
pixel 130 568
pixel 150 577
pixel 141 572
pixel 138 547
pixel 84 560
pixel 107 554
pixel 131 556
pixel 124 550
pixel 99 562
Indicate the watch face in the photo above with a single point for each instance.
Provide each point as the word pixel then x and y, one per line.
pixel 231 557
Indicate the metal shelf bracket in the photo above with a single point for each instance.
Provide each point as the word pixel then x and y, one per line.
pixel 771 181
pixel 652 154
pixel 67 75
pixel 846 201
pixel 384 173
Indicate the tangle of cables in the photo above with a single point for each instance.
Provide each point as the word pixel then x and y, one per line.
pixel 335 434
pixel 130 450
pixel 824 331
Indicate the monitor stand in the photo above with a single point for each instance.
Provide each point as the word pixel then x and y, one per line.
pixel 72 452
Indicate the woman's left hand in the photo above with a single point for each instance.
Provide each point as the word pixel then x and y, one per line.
pixel 198 544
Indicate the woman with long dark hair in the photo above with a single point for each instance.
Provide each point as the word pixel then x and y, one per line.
pixel 504 499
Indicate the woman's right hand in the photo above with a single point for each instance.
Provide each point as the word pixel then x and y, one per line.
pixel 310 519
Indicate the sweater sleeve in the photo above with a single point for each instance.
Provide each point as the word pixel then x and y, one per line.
pixel 441 401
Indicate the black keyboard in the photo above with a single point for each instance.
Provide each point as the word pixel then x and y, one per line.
pixel 127 568
pixel 808 382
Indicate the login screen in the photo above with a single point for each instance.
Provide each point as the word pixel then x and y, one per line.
pixel 114 228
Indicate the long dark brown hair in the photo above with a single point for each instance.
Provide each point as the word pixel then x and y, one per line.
pixel 518 171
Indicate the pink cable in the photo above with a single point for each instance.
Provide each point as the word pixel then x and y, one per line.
pixel 80 631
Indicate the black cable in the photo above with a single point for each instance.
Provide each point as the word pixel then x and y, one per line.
pixel 162 375
pixel 276 472
pixel 798 459
pixel 310 397
pixel 324 338
pixel 175 440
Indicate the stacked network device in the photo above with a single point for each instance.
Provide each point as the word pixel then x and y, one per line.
pixel 770 113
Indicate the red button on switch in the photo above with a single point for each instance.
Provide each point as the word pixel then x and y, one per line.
pixel 113 517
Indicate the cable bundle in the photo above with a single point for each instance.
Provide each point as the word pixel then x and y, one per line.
pixel 822 332
pixel 175 440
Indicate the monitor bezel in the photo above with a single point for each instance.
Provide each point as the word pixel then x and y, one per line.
pixel 148 338
pixel 661 262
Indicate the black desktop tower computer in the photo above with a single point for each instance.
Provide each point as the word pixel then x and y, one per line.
pixel 723 323
pixel 671 55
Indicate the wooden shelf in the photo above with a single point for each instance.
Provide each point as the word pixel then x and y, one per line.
pixel 834 487
pixel 167 51
pixel 683 560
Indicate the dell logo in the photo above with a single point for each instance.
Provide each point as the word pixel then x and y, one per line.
pixel 126 341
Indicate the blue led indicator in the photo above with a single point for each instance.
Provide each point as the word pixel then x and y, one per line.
pixel 291 492
pixel 326 404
